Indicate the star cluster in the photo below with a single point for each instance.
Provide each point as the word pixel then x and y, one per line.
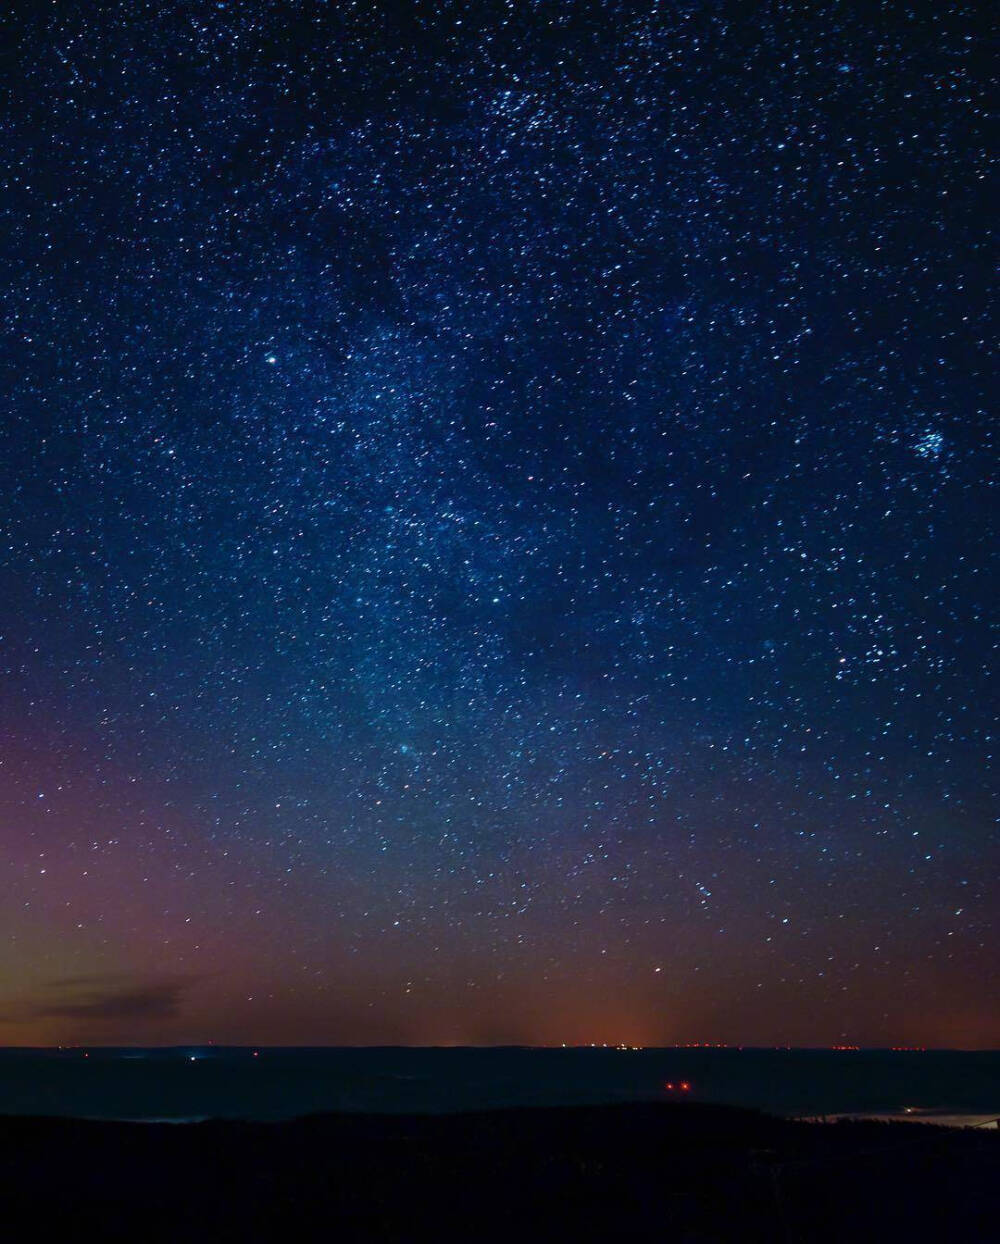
pixel 495 536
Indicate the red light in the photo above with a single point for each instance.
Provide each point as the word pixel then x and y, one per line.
pixel 670 1087
pixel 685 1087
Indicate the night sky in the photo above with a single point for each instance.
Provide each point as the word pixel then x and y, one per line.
pixel 494 524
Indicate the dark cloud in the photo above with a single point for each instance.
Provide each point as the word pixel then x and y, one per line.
pixel 97 998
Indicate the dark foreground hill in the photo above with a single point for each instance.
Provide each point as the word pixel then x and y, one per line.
pixel 636 1172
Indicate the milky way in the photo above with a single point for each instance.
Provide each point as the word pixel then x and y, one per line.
pixel 495 541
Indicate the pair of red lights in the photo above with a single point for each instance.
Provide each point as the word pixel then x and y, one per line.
pixel 681 1086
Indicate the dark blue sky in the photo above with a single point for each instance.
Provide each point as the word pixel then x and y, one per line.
pixel 495 524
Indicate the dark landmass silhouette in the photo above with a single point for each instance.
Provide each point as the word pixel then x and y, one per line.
pixel 636 1172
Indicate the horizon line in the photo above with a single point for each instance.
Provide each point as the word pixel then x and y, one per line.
pixel 838 1048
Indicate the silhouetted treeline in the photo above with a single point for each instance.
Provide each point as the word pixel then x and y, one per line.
pixel 681 1172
